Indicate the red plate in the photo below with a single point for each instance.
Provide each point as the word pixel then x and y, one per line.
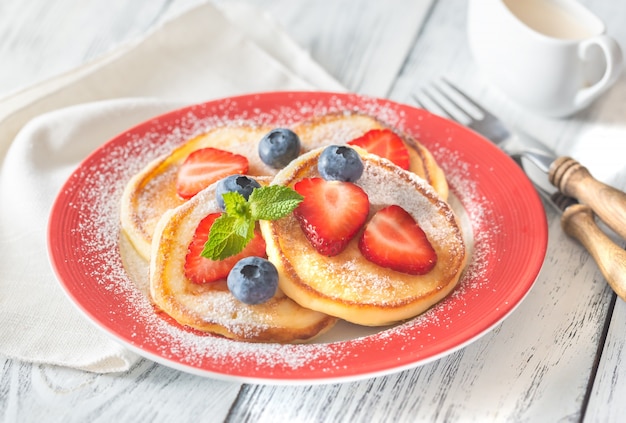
pixel 505 214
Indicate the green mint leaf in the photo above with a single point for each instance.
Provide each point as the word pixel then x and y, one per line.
pixel 232 231
pixel 273 202
pixel 236 205
pixel 228 236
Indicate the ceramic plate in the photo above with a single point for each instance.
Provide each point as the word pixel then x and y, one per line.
pixel 498 204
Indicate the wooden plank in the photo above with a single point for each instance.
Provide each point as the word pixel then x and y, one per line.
pixel 147 392
pixel 362 44
pixel 606 402
pixel 39 40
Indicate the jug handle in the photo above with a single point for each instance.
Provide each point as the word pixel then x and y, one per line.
pixel 613 56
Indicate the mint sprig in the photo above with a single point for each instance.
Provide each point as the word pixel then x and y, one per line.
pixel 232 231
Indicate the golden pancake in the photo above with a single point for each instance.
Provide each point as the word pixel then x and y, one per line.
pixel 152 191
pixel 349 286
pixel 210 307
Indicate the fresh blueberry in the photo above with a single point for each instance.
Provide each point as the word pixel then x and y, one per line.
pixel 253 280
pixel 279 147
pixel 242 184
pixel 340 163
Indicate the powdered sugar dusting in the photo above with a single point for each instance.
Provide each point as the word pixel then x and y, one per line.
pixel 96 194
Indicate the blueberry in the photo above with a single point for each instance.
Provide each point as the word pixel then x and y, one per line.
pixel 242 184
pixel 279 147
pixel 253 280
pixel 340 163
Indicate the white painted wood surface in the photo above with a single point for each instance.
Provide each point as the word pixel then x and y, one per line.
pixel 559 357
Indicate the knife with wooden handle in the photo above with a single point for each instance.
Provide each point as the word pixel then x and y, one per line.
pixel 574 180
pixel 578 222
pixel 579 197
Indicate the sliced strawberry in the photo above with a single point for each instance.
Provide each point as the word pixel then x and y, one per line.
pixel 384 143
pixel 331 213
pixel 205 166
pixel 200 270
pixel 393 239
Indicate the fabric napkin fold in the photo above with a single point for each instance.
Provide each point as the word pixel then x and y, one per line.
pixel 204 53
pixel 39 323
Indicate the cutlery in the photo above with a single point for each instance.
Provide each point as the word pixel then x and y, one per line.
pixel 565 173
pixel 572 179
pixel 578 222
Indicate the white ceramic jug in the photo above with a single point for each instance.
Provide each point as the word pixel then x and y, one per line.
pixel 551 56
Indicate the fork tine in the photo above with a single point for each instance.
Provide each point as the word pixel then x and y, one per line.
pixel 486 124
pixel 433 99
pixel 447 98
pixel 427 102
pixel 451 108
pixel 478 108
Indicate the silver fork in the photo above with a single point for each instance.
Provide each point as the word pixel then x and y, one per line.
pixel 577 219
pixel 445 99
pixel 572 180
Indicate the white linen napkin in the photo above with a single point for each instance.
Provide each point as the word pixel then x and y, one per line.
pixel 197 56
pixel 599 143
pixel 39 324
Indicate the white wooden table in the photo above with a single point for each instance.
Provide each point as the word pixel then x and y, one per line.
pixel 561 356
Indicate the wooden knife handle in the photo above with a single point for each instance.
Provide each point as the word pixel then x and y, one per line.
pixel 608 203
pixel 578 222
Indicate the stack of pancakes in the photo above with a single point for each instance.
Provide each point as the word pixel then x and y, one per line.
pixel 314 290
